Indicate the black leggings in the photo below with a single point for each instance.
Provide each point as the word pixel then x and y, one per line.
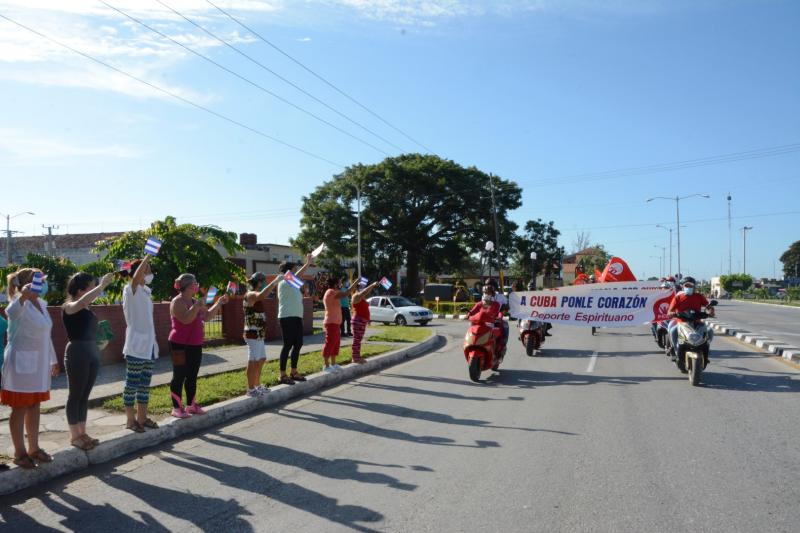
pixel 292 331
pixel 185 375
pixel 82 360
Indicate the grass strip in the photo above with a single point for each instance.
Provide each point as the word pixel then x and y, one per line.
pixel 220 387
pixel 400 334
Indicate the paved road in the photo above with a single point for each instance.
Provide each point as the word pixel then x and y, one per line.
pixel 554 443
pixel 778 322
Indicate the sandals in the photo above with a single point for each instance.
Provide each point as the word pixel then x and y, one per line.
pixel 359 360
pixel 41 456
pixel 149 423
pixel 83 442
pixel 135 427
pixel 298 377
pixel 25 462
pixel 286 380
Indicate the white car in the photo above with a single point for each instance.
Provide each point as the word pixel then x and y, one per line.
pixel 398 310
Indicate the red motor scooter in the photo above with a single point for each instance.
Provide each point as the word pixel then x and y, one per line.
pixel 483 347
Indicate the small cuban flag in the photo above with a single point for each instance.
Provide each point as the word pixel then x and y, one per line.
pixel 123 266
pixel 293 280
pixel 385 283
pixel 152 246
pixel 211 294
pixel 363 282
pixel 233 287
pixel 37 282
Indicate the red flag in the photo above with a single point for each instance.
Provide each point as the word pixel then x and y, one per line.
pixel 617 270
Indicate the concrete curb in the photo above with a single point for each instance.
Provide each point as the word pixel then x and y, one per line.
pixel 124 442
pixel 787 351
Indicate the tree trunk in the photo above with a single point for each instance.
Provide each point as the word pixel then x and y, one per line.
pixel 412 276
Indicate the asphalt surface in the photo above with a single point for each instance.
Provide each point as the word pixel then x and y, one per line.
pixel 778 322
pixel 561 442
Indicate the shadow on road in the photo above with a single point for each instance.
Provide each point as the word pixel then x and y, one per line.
pixel 761 382
pixel 341 469
pixel 437 394
pixel 254 480
pixel 527 379
pixel 417 414
pixel 349 424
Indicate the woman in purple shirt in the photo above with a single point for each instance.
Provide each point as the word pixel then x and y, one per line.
pixel 186 337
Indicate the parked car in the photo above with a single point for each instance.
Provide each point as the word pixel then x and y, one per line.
pixel 398 310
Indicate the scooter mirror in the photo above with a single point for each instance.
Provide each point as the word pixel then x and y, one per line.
pixel 712 303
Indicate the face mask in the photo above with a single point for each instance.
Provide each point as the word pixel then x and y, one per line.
pixel 688 290
pixel 148 279
pixel 45 288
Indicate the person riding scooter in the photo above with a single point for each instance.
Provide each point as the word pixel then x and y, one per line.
pixel 491 289
pixel 488 311
pixel 547 325
pixel 685 300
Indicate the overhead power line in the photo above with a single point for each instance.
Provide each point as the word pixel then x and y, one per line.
pixel 321 78
pixel 244 79
pixel 174 95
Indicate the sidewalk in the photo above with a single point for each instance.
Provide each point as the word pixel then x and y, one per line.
pixel 54 432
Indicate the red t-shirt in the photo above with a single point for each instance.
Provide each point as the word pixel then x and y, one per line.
pixel 489 314
pixel 684 302
pixel 361 310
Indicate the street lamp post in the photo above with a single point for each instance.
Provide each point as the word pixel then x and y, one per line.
pixel 489 247
pixel 663 257
pixel 678 216
pixel 533 266
pixel 745 229
pixel 670 246
pixel 8 233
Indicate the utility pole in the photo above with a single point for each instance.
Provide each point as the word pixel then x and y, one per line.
pixel 51 243
pixel 496 232
pixel 358 203
pixel 9 233
pixel 745 229
pixel 730 237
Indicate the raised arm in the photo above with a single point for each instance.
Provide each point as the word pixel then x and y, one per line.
pixel 357 297
pixel 303 268
pixel 344 294
pixel 138 277
pixel 86 300
pixel 217 307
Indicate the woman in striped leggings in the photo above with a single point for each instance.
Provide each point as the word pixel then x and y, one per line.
pixel 360 320
pixel 141 348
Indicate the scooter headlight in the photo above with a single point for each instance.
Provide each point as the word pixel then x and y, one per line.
pixel 695 338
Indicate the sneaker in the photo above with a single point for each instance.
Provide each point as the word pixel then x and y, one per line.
pixel 253 393
pixel 195 409
pixel 262 390
pixel 329 369
pixel 336 368
pixel 178 412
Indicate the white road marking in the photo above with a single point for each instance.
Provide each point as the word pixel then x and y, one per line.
pixel 592 362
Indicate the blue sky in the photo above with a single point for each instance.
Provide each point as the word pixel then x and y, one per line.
pixel 534 91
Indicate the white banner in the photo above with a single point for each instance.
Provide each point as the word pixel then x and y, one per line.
pixel 610 305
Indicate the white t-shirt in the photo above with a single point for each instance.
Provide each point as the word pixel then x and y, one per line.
pixel 140 335
pixel 29 354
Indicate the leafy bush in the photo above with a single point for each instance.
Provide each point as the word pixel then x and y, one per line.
pixel 736 282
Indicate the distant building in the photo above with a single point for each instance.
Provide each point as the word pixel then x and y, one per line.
pixel 76 247
pixel 265 257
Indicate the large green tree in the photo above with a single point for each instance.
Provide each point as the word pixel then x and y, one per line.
pixel 791 260
pixel 185 248
pixel 420 211
pixel 542 238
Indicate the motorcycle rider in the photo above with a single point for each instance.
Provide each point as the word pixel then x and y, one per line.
pixel 685 300
pixel 490 289
pixel 487 311
pixel 593 280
